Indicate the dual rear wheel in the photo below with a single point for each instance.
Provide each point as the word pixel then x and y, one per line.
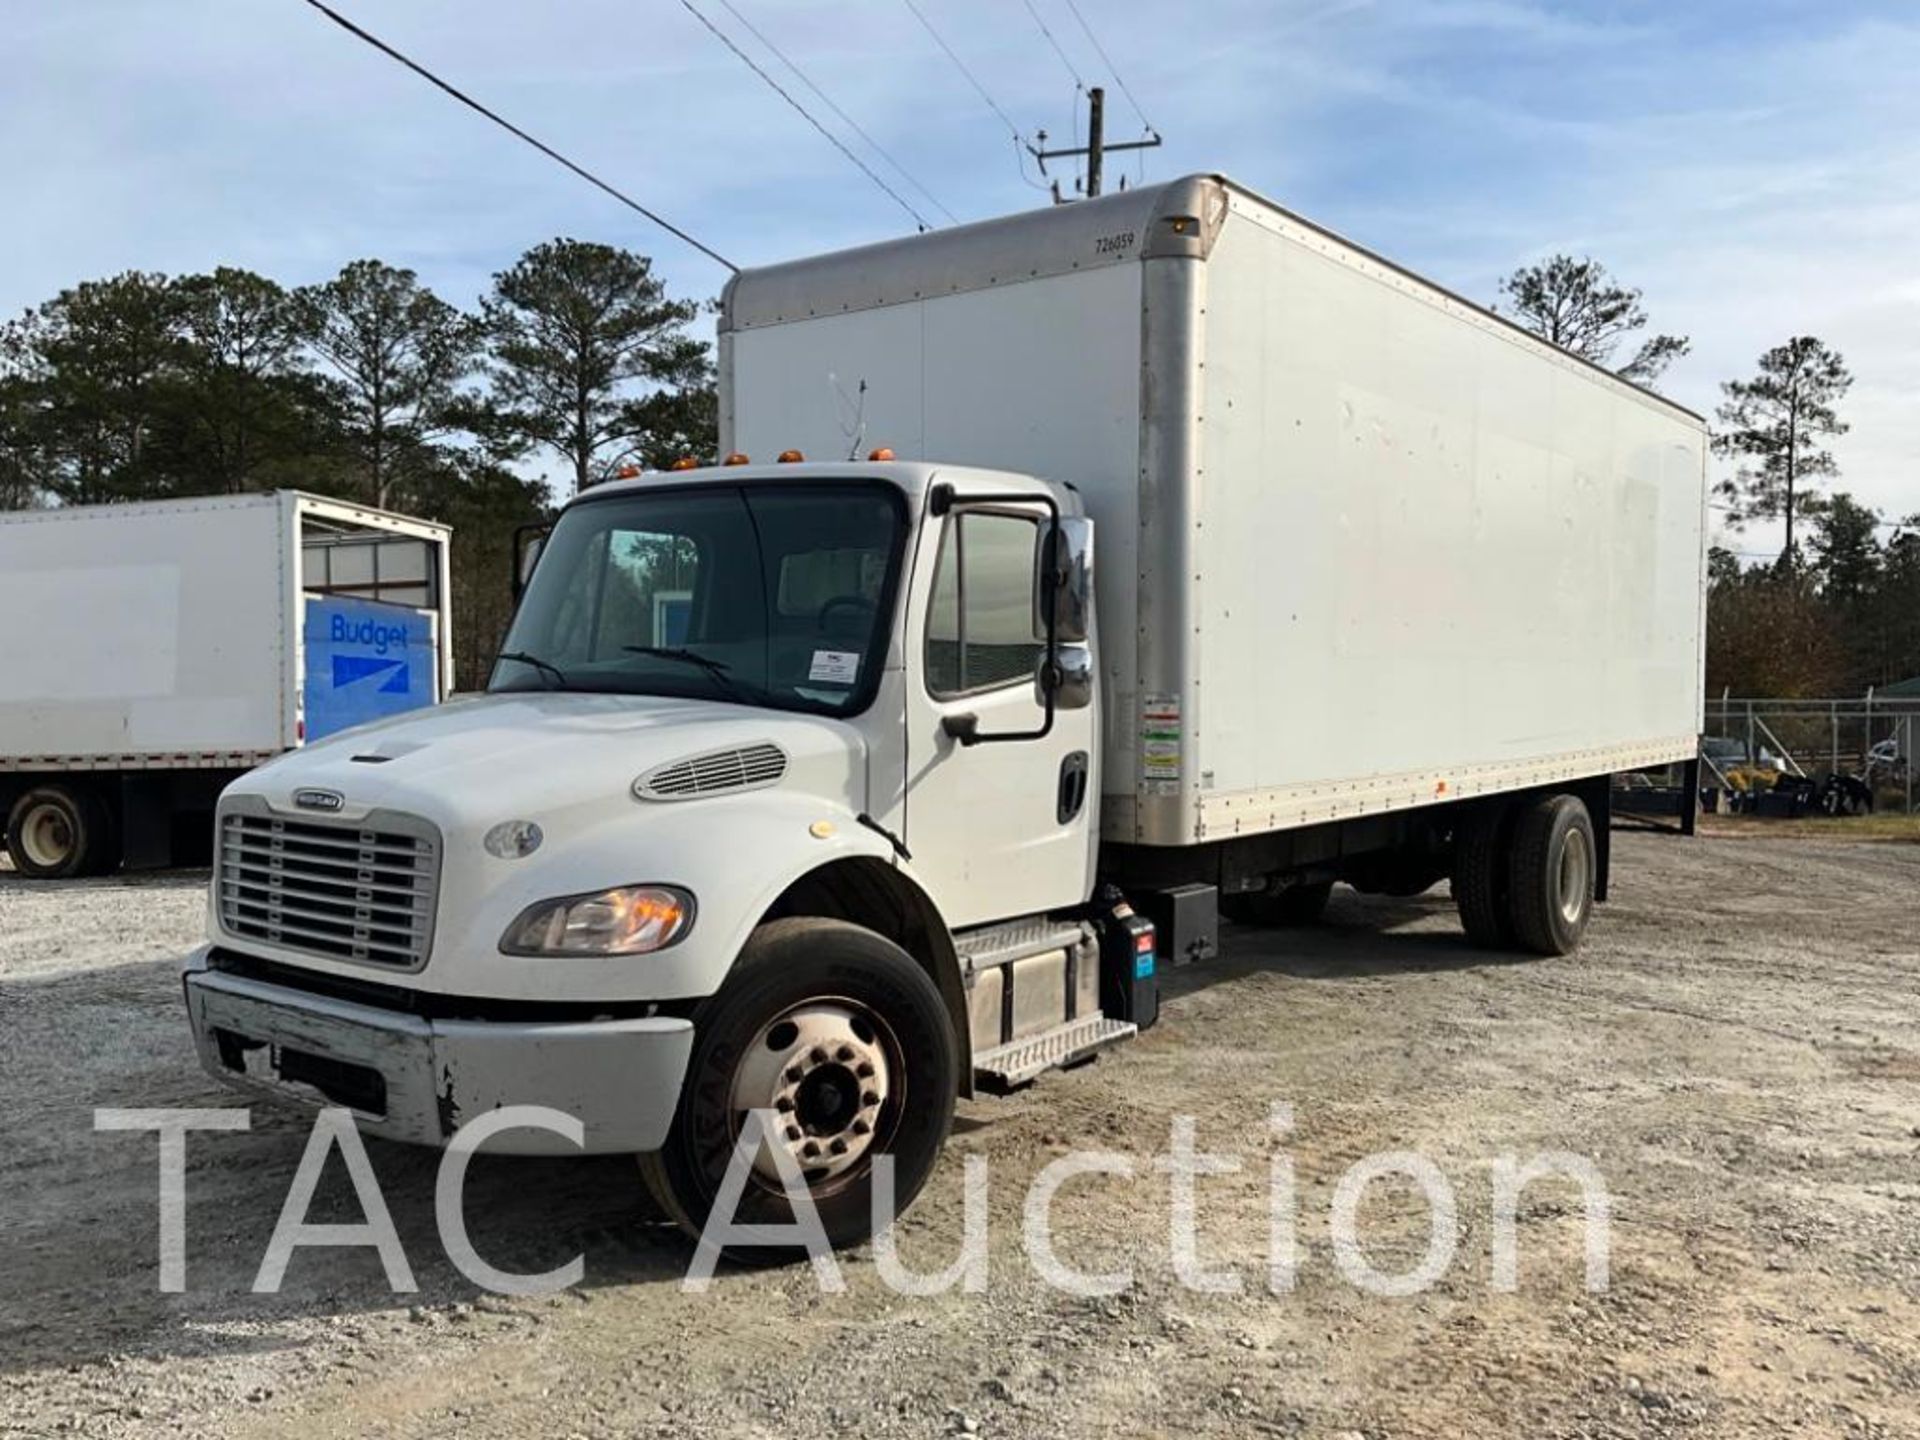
pixel 1525 874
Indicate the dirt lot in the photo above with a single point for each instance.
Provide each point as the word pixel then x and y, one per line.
pixel 1738 1051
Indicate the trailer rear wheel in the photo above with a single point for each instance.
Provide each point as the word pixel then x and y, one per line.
pixel 1552 871
pixel 840 1034
pixel 1292 905
pixel 55 833
pixel 1481 843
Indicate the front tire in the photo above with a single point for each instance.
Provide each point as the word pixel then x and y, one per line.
pixel 843 1035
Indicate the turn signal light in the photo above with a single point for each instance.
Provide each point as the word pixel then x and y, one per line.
pixel 791 457
pixel 885 452
pixel 630 920
pixel 736 458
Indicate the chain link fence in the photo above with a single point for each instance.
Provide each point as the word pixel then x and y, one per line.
pixel 1868 740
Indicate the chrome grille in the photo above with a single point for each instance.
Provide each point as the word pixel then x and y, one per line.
pixel 745 767
pixel 341 890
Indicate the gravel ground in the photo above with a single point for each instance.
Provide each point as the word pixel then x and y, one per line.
pixel 1737 1050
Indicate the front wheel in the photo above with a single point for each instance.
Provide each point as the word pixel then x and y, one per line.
pixel 845 1039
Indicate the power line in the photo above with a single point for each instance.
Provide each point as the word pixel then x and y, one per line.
pixel 805 114
pixel 846 119
pixel 961 66
pixel 1079 84
pixel 1019 140
pixel 1112 69
pixel 515 130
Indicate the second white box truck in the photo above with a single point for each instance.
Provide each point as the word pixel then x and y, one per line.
pixel 151 652
pixel 813 790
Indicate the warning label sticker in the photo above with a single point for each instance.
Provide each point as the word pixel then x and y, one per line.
pixel 1160 737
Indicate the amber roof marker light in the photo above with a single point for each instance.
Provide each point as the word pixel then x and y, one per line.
pixel 791 457
pixel 736 458
pixel 883 452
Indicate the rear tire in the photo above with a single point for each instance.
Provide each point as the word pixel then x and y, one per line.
pixel 1480 875
pixel 1552 871
pixel 1293 905
pixel 843 1033
pixel 55 832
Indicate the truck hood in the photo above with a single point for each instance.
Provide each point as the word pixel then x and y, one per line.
pixel 548 756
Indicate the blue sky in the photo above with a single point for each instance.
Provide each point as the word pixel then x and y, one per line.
pixel 1753 165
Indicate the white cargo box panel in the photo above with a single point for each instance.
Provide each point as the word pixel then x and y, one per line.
pixel 165 634
pixel 1363 545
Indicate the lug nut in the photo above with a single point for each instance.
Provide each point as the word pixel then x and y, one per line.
pixel 843 1054
pixel 869 1097
pixel 818 1055
pixel 784 1104
pixel 839 1147
pixel 861 1127
pixel 864 1069
pixel 795 1074
pixel 793 1132
pixel 811 1150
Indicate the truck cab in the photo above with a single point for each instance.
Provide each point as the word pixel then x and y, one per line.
pixel 782 796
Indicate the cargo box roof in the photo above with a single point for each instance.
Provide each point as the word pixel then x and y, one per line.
pixel 1178 217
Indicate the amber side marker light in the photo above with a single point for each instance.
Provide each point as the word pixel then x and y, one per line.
pixel 736 458
pixel 685 462
pixel 885 452
pixel 627 472
pixel 791 457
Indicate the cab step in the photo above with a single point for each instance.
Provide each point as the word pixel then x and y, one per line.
pixel 1019 1062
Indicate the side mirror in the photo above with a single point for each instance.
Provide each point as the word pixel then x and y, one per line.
pixel 1063 581
pixel 1067 676
pixel 528 542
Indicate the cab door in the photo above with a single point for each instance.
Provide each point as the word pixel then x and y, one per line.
pixel 1004 826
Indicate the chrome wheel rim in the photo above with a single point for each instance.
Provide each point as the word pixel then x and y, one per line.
pixel 828 1069
pixel 1576 876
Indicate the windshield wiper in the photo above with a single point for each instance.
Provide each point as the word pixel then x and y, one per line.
pixel 545 667
pixel 718 669
pixel 680 652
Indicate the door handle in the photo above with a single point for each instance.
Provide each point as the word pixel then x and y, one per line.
pixel 1073 788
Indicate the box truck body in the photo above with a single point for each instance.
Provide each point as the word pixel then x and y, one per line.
pixel 1084 577
pixel 153 650
pixel 1363 545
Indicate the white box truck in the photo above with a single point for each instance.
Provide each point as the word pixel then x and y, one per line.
pixel 810 794
pixel 151 652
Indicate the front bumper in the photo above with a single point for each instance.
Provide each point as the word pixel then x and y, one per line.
pixel 418 1080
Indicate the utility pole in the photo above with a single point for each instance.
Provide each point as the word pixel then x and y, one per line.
pixel 1096 148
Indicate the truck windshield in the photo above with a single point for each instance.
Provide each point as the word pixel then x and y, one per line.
pixel 775 594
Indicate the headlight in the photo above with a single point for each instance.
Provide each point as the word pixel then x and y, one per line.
pixel 632 920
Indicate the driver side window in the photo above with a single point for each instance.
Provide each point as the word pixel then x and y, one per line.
pixel 980 624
